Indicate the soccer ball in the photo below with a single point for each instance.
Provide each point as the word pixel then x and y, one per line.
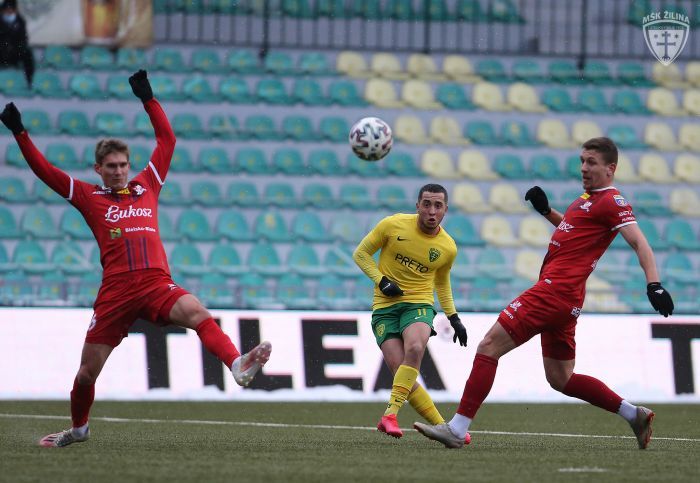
pixel 371 139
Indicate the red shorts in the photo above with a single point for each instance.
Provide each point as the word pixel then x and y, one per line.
pixel 538 311
pixel 125 297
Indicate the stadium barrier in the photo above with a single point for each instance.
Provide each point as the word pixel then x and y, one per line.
pixel 333 356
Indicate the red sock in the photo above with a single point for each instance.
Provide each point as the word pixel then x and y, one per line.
pixel 217 342
pixel 81 398
pixel 478 385
pixel 593 391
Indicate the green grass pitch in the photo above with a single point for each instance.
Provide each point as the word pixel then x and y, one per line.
pixel 335 442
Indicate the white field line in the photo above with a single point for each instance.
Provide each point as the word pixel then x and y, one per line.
pixel 320 426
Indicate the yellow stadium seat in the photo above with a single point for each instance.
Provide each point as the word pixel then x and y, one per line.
pixel 473 164
pixel 352 64
pixel 381 92
pixel 687 168
pixel 438 164
pixel 692 72
pixel 468 198
pixel 584 130
pixel 445 130
pixel 553 133
pixel 506 198
pixel 669 76
pixel 684 201
pixel 409 129
pixel 423 66
pixel 419 94
pixel 388 66
pixel 528 264
pixel 625 173
pixel 487 95
pixel 524 98
pixel 663 101
pixel 496 230
pixel 660 136
pixel 535 231
pixel 691 101
pixel 689 136
pixel 653 167
pixel 459 69
pixel 601 297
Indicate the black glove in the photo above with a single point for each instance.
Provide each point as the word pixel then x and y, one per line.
pixel 389 288
pixel 460 330
pixel 11 118
pixel 538 198
pixel 141 86
pixel 660 299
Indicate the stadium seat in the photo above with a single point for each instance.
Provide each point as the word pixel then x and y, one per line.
pixel 471 11
pixel 650 202
pixel 573 167
pixel 166 227
pixel 206 193
pixel 660 136
pixel 583 130
pixel 382 93
pixel 187 259
pixel 290 290
pixel 188 125
pixel 318 196
pixel 85 86
pixel 692 73
pixel 346 229
pixel 29 255
pixel 232 225
pixel 627 101
pixel 307 226
pixel 165 89
pixel 506 198
pixel 651 232
pixel 143 126
pixel 459 69
pixel 59 57
pixel 545 166
pixel 243 62
pixel 462 269
pixel 509 166
pixel 16 289
pixel 288 161
pixel 71 259
pixel 224 259
pixel 679 234
pixel 214 160
pixel 74 226
pixel 654 168
pixel 298 128
pixel 213 291
pixel 356 196
pixel 517 134
pixel 504 11
pixel 273 91
pixel 611 268
pixel 131 59
pixel 527 71
pixel 181 161
pixel 314 63
pixel 8 224
pixel 225 127
pixel 37 122
pixel 625 172
pixel 488 96
pixel 689 136
pixel 352 64
pixel 418 94
pixel 358 167
pixel 269 225
pixel 243 193
pixel 5 264
pixel 565 72
pixel 423 66
pixel 691 101
pixel 468 198
pixel 49 85
pixel 251 161
pixel 262 127
pixel 332 295
pixel 559 100
pixel 303 260
pixel 593 100
pixel 438 164
pixel 496 230
pixel 338 259
pixel 679 268
pixel 14 84
pixel 325 162
pixel 169 60
pixel 344 93
pixel 625 136
pixel 63 156
pixel 198 89
pixel 207 61
pixel 474 164
pixel 492 70
pixel 446 130
pixel 384 64
pixel 96 58
pixel 462 230
pixel 687 168
pixel 171 194
pixel 528 264
pixel 481 132
pixel 401 164
pixel 664 103
pixel 334 129
pixel 598 73
pixel 14 156
pixel 452 96
pixel 12 189
pixel 524 98
pixel 534 231
pixel 193 225
pixel 409 129
pixel 118 87
pixel 280 194
pixel 309 92
pixel 393 197
pixel 279 64
pixel 111 124
pixel 255 294
pixel 236 90
pixel 400 10
pixel 491 263
pixel 668 76
pixel 685 201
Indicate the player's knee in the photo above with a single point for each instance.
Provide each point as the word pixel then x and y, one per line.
pixel 487 347
pixel 414 350
pixel 86 375
pixel 557 381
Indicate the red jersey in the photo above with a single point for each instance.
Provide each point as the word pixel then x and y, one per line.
pixel 124 222
pixel 589 225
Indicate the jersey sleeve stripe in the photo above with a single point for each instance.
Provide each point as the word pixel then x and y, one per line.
pixel 621 225
pixel 155 171
pixel 70 189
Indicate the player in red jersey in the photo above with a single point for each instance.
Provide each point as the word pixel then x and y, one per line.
pixel 550 308
pixel 136 281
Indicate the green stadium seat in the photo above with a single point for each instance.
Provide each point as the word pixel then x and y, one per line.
pixel 214 292
pixel 297 9
pixel 393 197
pixel 251 161
pixel 346 229
pixel 30 256
pixel 307 226
pixel 298 128
pixel 49 84
pixel 303 259
pixel 279 64
pixel 85 291
pixel 118 87
pixel 166 227
pixel 8 224
pixel 280 194
pixel 181 161
pixel 165 89
pixel 491 263
pixel 545 166
pixel 71 259
pixel 363 169
pixel 293 294
pixel 334 129
pixel 315 63
pixel 344 93
pixel 51 289
pixel 528 70
pixel 198 89
pixel 402 164
pixel 243 193
pixel 470 11
pixel 573 167
pixel 453 96
pixel 627 101
pixel 206 193
pixel 325 162
pixel 510 166
pixel 331 8
pixel 59 57
pixel 338 260
pixel 625 136
pixel 111 124
pixel 139 157
pixel 633 74
pixel 233 226
pixel 12 189
pixel 243 62
pixel 356 197
pixel 193 225
pixel 74 123
pixel 262 127
pixel 318 196
pixel 437 11
pixel 400 10
pixel 290 162
pixel 462 268
pixel 332 295
pixel 143 126
pixel 207 61
pixel 559 100
pixel 215 160
pixel 224 127
pixel 269 225
pixel 86 86
pixel 169 60
pixel 462 230
pixel 516 133
pixel 5 264
pixel 263 259
pixel 492 70
pixel 611 268
pixel 74 226
pixel 42 192
pixel 63 156
pixel 679 234
pixel 598 73
pixel 367 9
pixel 224 258
pixel 236 90
pixel 565 72
pixel 96 58
pixel 481 132
pixel 679 268
pixel 651 232
pixel 188 125
pixel 273 91
pixel 131 59
pixel 637 10
pixel 37 122
pixel 593 100
pixel 309 92
pixel 186 258
pixel 16 289
pixel 14 156
pixel 256 295
pixel 504 11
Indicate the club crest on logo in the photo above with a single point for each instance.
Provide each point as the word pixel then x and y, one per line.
pixel 620 200
pixel 379 330
pixel 666 34
pixel 433 254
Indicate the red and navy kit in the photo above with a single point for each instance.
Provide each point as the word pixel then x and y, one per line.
pixel 553 304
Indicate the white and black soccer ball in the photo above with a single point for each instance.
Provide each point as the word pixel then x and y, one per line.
pixel 371 139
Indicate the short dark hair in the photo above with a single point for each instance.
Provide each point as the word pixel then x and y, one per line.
pixel 604 146
pixel 432 188
pixel 109 146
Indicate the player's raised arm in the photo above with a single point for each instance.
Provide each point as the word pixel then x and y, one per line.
pixel 540 203
pixel 56 179
pixel 165 137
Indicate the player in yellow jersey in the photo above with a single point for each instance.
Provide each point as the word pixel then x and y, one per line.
pixel 415 261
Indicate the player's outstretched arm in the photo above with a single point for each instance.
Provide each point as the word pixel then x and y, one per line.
pixel 538 198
